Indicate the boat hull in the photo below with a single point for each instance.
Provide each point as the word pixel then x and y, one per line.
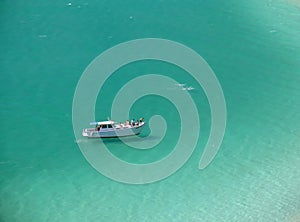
pixel 113 132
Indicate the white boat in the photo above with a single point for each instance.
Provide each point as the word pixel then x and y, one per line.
pixel 108 129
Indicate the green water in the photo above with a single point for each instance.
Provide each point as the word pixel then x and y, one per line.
pixel 252 46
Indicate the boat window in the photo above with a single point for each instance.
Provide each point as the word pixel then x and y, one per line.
pixel 104 126
pixel 109 126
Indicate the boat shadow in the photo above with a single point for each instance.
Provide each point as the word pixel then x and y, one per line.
pixel 129 139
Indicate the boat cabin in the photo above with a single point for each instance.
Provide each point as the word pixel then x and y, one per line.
pixel 105 125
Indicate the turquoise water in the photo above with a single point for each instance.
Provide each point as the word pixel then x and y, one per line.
pixel 254 49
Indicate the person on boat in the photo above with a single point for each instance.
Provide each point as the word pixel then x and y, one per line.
pixel 132 122
pixel 141 119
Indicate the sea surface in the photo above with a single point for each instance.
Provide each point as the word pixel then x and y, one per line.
pixel 253 48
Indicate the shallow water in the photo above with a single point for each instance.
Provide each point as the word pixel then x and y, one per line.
pixel 254 49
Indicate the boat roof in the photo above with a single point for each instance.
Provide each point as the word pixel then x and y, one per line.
pixel 105 122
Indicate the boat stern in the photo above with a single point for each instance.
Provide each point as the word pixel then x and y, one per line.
pixel 85 133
